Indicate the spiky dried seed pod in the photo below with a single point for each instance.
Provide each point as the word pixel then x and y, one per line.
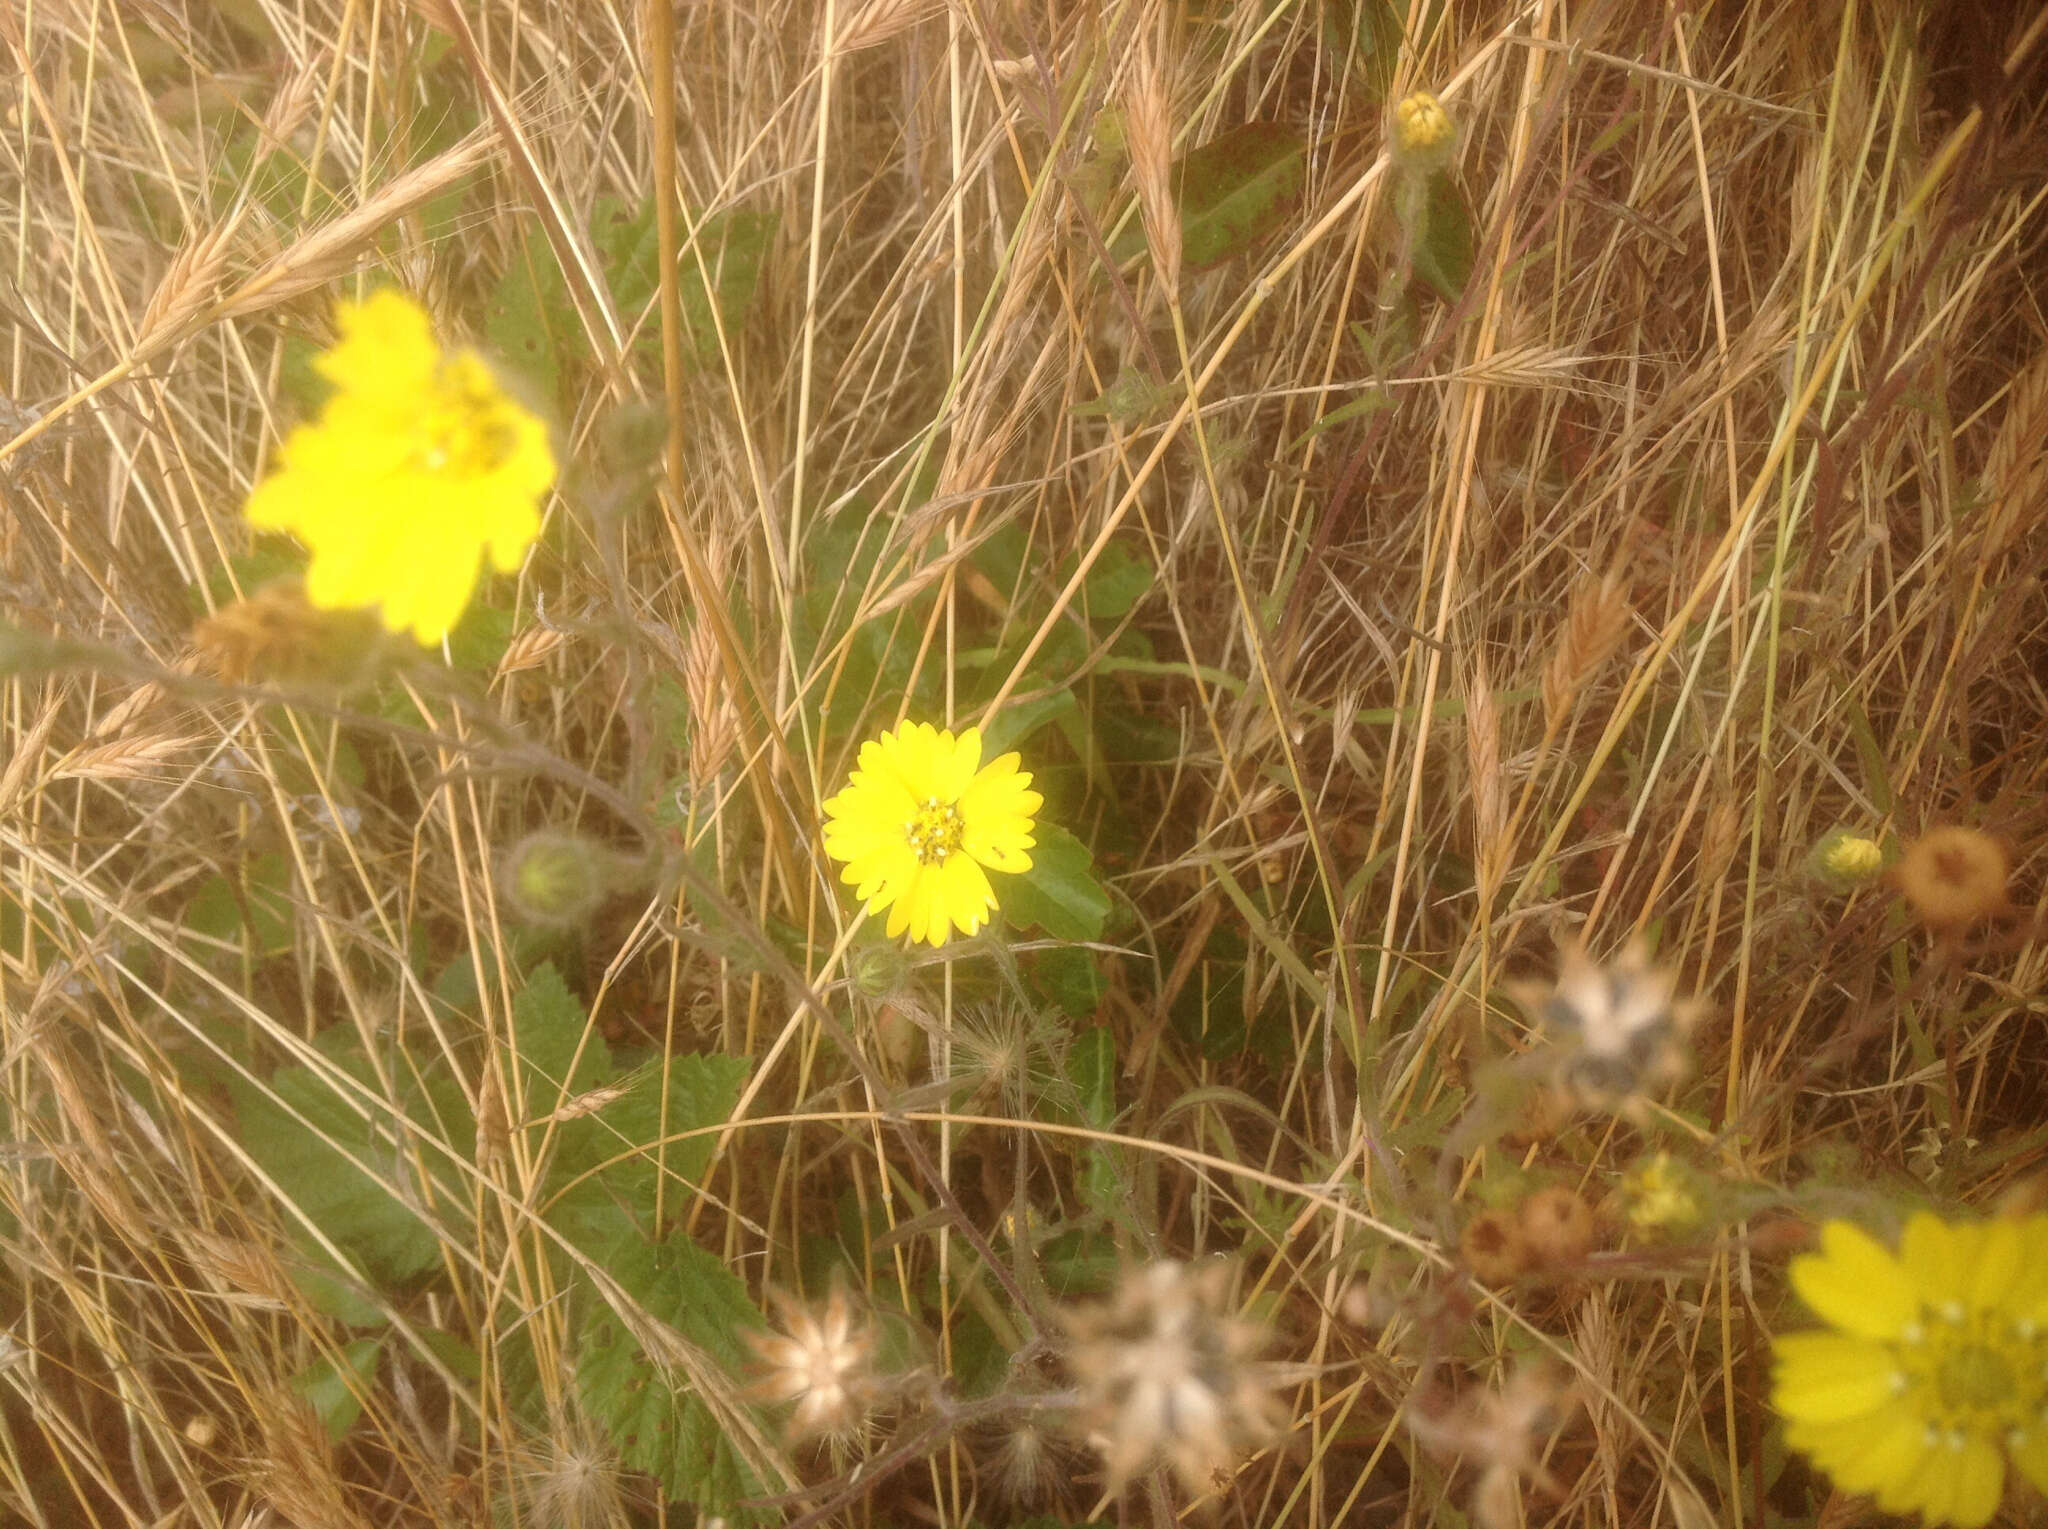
pixel 820 1362
pixel 1167 1374
pixel 1617 1029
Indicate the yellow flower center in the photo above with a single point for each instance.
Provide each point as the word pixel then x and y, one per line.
pixel 935 832
pixel 1973 1371
pixel 465 432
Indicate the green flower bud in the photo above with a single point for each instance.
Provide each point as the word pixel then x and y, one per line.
pixel 555 878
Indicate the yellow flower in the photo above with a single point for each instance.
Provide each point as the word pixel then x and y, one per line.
pixel 1936 1368
pixel 918 821
pixel 1423 130
pixel 418 465
pixel 1855 859
pixel 1658 1192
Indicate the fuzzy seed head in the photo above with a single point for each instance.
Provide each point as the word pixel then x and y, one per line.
pixel 820 1361
pixel 1167 1376
pixel 1493 1247
pixel 1557 1226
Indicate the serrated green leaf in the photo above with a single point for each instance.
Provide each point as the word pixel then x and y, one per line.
pixel 335 1386
pixel 559 1055
pixel 343 1167
pixel 1131 398
pixel 599 1170
pixel 654 1419
pixel 1059 893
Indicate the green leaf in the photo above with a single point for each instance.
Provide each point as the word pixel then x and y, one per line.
pixel 1015 724
pixel 656 1421
pixel 1059 893
pixel 1115 584
pixel 260 908
pixel 340 1154
pixel 529 320
pixel 1236 189
pixel 734 245
pixel 701 1093
pixel 559 1055
pixel 1071 977
pixel 336 1386
pixel 1443 249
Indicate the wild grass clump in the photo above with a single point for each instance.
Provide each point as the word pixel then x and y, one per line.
pixel 1426 622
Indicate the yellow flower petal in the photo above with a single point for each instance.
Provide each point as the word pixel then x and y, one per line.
pixel 1854 1284
pixel 1827 1377
pixel 2029 1448
pixel 418 468
pixel 919 819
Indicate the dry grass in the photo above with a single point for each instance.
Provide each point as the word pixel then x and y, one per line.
pixel 1709 520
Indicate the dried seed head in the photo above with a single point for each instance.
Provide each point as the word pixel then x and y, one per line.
pixel 572 1480
pixel 1953 878
pixel 1557 1226
pixel 1167 1375
pixel 277 635
pixel 1616 1030
pixel 1505 1432
pixel 820 1362
pixel 1493 1247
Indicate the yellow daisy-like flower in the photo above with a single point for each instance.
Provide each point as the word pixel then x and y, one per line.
pixel 1936 1369
pixel 918 821
pixel 418 465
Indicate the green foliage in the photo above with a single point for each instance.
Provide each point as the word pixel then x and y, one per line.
pixel 1236 189
pixel 345 1154
pixel 1059 893
pixel 1442 245
pixel 1232 192
pixel 655 1419
pixel 335 1385
pixel 254 910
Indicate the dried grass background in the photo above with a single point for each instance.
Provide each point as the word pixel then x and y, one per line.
pixel 1710 520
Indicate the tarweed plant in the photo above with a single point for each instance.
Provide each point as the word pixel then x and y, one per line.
pixel 791 765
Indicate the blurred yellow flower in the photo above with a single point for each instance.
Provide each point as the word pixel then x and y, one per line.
pixel 1854 859
pixel 1658 1193
pixel 418 465
pixel 1936 1368
pixel 918 821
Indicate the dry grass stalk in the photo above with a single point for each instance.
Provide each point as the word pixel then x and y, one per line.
pixel 1489 796
pixel 333 249
pixel 530 649
pixel 880 20
pixel 187 291
pixel 1148 127
pixel 127 759
pixel 1593 630
pixel 2016 468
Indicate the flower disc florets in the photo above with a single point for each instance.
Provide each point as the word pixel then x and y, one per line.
pixel 419 465
pixel 1936 1370
pixel 920 824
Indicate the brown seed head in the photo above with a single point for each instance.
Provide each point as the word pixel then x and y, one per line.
pixel 1953 878
pixel 1557 1226
pixel 1494 1247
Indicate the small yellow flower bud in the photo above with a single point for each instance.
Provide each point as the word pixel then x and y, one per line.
pixel 1845 862
pixel 1857 858
pixel 1658 1194
pixel 1424 134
